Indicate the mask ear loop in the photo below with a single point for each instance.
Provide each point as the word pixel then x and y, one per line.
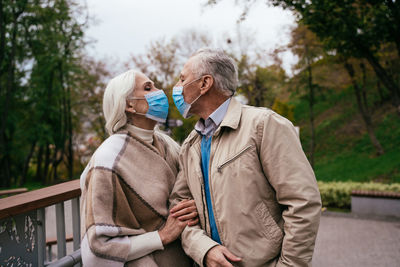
pixel 137 98
pixel 195 99
pixel 183 86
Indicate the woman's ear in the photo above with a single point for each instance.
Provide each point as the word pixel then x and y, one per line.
pixel 129 107
pixel 207 83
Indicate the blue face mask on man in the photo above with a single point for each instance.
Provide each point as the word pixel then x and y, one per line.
pixel 158 106
pixel 179 101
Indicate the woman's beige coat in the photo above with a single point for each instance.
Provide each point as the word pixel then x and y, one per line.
pixel 125 191
pixel 265 197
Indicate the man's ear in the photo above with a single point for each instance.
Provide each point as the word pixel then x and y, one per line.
pixel 129 107
pixel 207 83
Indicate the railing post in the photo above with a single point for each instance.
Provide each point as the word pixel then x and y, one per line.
pixel 41 235
pixel 76 229
pixel 60 222
pixel 50 251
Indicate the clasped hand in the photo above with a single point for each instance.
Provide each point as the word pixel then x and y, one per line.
pixel 184 213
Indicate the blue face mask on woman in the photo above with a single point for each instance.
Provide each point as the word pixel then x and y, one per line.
pixel 179 101
pixel 158 106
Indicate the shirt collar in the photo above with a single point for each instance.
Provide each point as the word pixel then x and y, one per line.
pixel 208 126
pixel 218 115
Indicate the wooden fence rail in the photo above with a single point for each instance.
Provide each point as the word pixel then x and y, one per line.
pixel 28 209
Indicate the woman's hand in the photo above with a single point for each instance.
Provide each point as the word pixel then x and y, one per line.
pixel 171 230
pixel 185 213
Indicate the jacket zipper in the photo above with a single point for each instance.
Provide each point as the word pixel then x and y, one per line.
pixel 219 168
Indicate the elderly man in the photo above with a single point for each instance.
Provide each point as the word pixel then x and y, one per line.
pixel 244 166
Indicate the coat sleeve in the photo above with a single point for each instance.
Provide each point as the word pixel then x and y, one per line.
pixel 293 179
pixel 195 241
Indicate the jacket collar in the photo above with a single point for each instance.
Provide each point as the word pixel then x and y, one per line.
pixel 231 120
pixel 232 116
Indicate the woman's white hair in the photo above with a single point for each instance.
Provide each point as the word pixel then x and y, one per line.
pixel 114 100
pixel 217 63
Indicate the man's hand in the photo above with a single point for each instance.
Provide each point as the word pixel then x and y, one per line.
pixel 220 256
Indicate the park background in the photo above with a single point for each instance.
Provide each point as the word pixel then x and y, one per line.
pixel 334 71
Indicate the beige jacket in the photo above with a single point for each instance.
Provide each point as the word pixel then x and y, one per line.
pixel 265 196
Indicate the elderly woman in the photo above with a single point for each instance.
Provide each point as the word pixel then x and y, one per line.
pixel 127 183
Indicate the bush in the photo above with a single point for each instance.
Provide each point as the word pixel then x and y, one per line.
pixel 338 194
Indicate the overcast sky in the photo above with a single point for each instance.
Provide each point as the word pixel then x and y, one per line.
pixel 126 27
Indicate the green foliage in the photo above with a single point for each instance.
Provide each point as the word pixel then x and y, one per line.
pixel 261 84
pixel 338 194
pixel 349 26
pixel 38 67
pixel 283 109
pixel 355 29
pixel 180 133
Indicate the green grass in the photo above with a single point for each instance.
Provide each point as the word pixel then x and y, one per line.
pixel 29 185
pixel 349 157
pixel 357 161
pixel 323 102
pixel 34 185
pixel 360 167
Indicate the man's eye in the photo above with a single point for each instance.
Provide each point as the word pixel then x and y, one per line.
pixel 147 88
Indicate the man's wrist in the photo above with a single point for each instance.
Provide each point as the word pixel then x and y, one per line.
pixel 206 254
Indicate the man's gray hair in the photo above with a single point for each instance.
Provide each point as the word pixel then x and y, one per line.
pixel 218 64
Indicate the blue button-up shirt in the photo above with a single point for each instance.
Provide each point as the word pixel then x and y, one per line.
pixel 206 129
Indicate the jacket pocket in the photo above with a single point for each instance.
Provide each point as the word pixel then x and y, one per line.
pixel 228 161
pixel 270 229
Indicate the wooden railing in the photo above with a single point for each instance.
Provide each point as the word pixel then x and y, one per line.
pixel 26 213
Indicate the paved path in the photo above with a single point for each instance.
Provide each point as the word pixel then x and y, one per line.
pixel 345 240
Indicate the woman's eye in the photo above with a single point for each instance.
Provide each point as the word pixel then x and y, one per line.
pixel 147 88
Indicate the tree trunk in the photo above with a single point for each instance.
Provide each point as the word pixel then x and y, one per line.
pixel 385 78
pixel 26 164
pixel 2 38
pixel 380 92
pixel 39 162
pixel 46 164
pixel 394 7
pixel 63 124
pixel 311 106
pixel 363 108
pixel 10 88
pixel 70 138
pixel 5 173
